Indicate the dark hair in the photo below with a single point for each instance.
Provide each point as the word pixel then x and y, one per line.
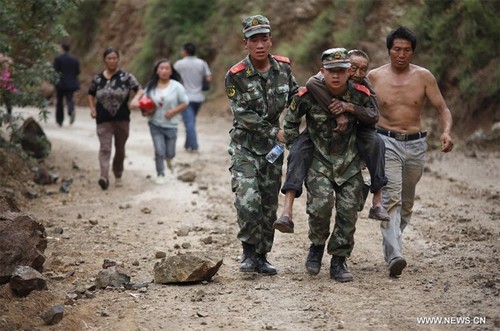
pixel 153 81
pixel 402 33
pixel 190 48
pixel 110 50
pixel 358 52
pixel 65 47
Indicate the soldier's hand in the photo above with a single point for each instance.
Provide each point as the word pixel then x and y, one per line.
pixel 342 123
pixel 336 107
pixel 281 136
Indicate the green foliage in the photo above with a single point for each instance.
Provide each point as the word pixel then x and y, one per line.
pixel 82 21
pixel 354 31
pixel 33 23
pixel 329 29
pixel 464 33
pixel 170 24
pixel 316 40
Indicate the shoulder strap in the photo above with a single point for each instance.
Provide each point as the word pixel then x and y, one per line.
pixel 237 68
pixel 302 91
pixel 281 58
pixel 362 88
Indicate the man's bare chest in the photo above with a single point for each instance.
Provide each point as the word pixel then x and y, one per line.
pixel 401 93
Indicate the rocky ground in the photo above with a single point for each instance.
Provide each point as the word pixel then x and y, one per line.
pixel 452 247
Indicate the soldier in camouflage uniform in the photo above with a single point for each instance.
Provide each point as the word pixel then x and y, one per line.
pixel 259 88
pixel 370 145
pixel 334 177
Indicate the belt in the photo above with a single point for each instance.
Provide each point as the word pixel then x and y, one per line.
pixel 402 136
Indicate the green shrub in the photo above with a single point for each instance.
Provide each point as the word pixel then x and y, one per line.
pixel 460 36
pixel 82 21
pixel 34 23
pixel 168 25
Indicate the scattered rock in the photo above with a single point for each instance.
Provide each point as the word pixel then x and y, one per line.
pixel 43 177
pixel 33 140
pixel 183 231
pixel 186 268
pixel 89 295
pixel 26 279
pixel 159 254
pixel 108 263
pixel 65 185
pixel 208 240
pixel 187 176
pixel 111 277
pixel 23 241
pixel 485 139
pixel 8 203
pixel 54 315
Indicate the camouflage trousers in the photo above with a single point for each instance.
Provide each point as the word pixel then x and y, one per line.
pixel 256 185
pixel 322 195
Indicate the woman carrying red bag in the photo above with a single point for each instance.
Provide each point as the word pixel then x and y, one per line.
pixel 170 98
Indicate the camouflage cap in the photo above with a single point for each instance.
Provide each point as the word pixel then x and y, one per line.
pixel 335 58
pixel 254 25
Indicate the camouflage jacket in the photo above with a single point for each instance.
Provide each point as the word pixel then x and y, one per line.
pixel 257 102
pixel 337 152
pixel 366 116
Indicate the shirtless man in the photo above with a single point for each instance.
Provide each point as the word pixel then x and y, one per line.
pixel 402 89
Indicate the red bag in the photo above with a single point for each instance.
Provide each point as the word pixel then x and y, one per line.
pixel 147 105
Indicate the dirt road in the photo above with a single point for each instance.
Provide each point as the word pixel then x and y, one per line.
pixel 452 247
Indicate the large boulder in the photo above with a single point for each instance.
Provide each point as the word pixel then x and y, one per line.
pixel 187 268
pixel 23 242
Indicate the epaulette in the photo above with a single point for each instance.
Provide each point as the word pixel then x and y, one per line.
pixel 362 88
pixel 238 67
pixel 302 91
pixel 281 58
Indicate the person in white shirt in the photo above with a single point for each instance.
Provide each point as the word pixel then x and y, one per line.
pixel 193 72
pixel 170 99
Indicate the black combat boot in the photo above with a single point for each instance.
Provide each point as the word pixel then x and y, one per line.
pixel 338 270
pixel 313 262
pixel 249 259
pixel 263 265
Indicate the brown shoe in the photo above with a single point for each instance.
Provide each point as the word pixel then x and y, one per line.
pixel 283 224
pixel 379 213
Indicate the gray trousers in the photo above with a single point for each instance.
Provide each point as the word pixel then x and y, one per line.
pixel 404 165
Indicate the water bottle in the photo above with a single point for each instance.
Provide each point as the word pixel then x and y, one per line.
pixel 275 153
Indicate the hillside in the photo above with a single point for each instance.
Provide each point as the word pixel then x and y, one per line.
pixel 451 244
pixel 302 29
